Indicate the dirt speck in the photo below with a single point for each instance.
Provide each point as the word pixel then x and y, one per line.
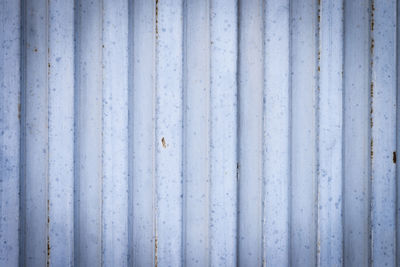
pixel 164 144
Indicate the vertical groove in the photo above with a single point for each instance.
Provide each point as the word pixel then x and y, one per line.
pixel 77 21
pixel 155 187
pixel 22 154
pixel 183 133
pixel 238 135
pixel 342 141
pixel 397 242
pixel 130 133
pixel 263 156
pixel 154 130
pixel 209 134
pixel 76 137
pixel 317 134
pixel 48 248
pixel 101 176
pixel 290 137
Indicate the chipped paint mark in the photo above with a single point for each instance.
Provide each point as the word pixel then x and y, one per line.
pixel 164 144
pixel 394 157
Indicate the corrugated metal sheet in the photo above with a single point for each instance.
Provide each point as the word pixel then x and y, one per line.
pixel 198 133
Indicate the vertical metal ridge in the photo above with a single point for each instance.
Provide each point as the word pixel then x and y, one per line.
pixel 89 131
pixel 250 131
pixel 304 111
pixel 169 132
pixel 196 132
pixel 276 133
pixel 383 132
pixel 10 130
pixel 223 155
pixel 60 133
pixel 330 129
pixel 115 132
pixel 36 138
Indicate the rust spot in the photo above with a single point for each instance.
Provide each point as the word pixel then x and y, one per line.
pixel 319 68
pixel 48 65
pixel 394 157
pixel 164 144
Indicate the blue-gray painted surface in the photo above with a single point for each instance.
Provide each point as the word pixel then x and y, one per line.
pixel 199 133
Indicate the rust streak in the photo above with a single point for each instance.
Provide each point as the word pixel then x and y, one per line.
pixel 48 235
pixel 237 171
pixel 155 251
pixel 19 111
pixel 394 157
pixel 156 19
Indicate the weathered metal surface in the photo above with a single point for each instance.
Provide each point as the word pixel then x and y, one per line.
pixel 196 133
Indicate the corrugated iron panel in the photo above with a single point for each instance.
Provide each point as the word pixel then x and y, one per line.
pixel 196 133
